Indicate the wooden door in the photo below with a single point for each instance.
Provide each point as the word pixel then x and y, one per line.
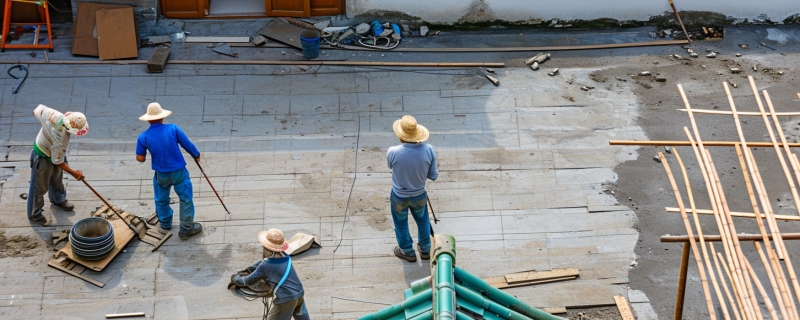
pixel 182 9
pixel 288 8
pixel 326 7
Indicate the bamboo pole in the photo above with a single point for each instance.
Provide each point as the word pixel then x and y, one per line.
pixel 697 225
pixel 740 214
pixel 695 252
pixel 670 143
pixel 728 245
pixel 743 113
pixel 750 163
pixel 781 134
pixel 774 266
pixel 778 289
pixel 767 300
pixel 681 294
pixel 717 238
pixel 778 238
pixel 724 285
pixel 738 254
pixel 736 294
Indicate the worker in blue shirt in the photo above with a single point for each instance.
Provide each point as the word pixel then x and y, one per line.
pixel 162 140
pixel 412 163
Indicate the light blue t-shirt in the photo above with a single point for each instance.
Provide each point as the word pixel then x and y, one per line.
pixel 412 164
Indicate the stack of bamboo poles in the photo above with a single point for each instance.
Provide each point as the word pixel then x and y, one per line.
pixel 729 281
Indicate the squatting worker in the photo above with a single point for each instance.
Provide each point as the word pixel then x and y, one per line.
pixel 278 274
pixel 49 160
pixel 412 163
pixel 163 140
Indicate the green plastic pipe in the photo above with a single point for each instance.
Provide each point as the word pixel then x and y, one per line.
pixel 491 306
pixel 394 310
pixel 501 297
pixel 445 298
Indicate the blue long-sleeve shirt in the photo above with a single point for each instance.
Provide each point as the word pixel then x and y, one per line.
pixel 272 270
pixel 162 140
pixel 412 164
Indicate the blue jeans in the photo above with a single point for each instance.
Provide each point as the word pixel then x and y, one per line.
pixel 179 180
pixel 419 210
pixel 45 177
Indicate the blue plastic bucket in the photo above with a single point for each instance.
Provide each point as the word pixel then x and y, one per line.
pixel 309 40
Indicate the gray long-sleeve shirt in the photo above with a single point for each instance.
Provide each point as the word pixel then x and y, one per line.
pixel 272 270
pixel 412 164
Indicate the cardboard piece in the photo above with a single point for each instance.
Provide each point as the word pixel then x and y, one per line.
pixel 116 34
pixel 280 30
pixel 84 35
pixel 122 235
pixel 301 242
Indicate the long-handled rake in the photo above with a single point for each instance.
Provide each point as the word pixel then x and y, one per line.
pixel 212 186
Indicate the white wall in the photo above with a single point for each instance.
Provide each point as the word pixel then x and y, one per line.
pixel 451 11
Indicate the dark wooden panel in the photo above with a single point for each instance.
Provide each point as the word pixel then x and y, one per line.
pixel 288 8
pixel 181 9
pixel 326 7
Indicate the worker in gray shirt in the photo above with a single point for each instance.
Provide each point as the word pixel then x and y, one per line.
pixel 412 163
pixel 49 160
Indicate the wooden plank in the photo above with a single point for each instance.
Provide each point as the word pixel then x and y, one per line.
pixel 533 282
pixel 555 310
pixel 624 309
pixel 281 63
pixel 55 265
pixel 541 275
pixel 158 60
pixel 231 39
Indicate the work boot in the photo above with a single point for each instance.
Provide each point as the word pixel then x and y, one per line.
pixel 163 230
pixel 66 206
pixel 399 253
pixel 196 228
pixel 41 219
pixel 422 254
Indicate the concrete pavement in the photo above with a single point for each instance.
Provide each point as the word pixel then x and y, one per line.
pixel 523 168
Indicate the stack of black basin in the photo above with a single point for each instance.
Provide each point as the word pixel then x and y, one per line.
pixel 92 238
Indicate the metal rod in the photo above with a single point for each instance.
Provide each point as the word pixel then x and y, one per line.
pixel 212 186
pixel 110 207
pixel 124 315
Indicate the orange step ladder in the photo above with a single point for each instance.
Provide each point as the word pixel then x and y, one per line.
pixel 43 12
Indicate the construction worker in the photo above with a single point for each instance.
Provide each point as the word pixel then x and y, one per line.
pixel 412 163
pixel 276 277
pixel 162 140
pixel 49 160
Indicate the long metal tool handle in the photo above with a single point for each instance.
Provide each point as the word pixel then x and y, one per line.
pixel 212 186
pixel 679 20
pixel 435 220
pixel 109 206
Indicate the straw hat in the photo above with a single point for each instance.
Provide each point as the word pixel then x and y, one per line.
pixel 407 129
pixel 155 112
pixel 273 240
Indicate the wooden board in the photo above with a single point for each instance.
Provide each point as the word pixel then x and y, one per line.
pixel 541 275
pixel 282 31
pixel 116 34
pixel 122 235
pixel 74 270
pixel 555 310
pixel 84 35
pixel 500 283
pixel 624 309
pixel 520 49
pixel 218 39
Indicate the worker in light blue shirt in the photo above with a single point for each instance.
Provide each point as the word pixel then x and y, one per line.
pixel 412 163
pixel 163 142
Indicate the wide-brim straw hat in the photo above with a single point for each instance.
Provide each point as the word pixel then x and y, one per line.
pixel 155 112
pixel 273 240
pixel 407 129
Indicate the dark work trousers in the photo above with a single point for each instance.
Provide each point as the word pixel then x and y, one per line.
pixel 45 177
